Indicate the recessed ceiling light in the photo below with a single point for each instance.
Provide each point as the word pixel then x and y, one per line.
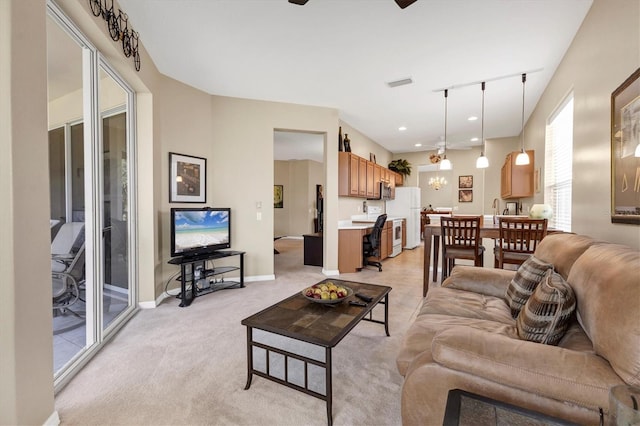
pixel 401 82
pixel 418 144
pixel 402 128
pixel 472 118
pixel 474 139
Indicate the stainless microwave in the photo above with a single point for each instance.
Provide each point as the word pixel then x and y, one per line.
pixel 385 192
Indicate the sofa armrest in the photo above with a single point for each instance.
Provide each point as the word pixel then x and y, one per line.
pixel 488 281
pixel 578 377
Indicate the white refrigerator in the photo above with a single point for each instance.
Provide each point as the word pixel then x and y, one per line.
pixel 407 205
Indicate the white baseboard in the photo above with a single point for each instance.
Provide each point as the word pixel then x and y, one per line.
pixel 53 420
pixel 260 278
pixel 329 272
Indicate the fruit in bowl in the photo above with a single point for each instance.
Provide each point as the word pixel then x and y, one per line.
pixel 326 292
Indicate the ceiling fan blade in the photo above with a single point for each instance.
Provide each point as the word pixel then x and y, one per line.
pixel 300 2
pixel 403 3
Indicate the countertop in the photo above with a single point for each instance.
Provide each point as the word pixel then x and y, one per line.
pixel 362 222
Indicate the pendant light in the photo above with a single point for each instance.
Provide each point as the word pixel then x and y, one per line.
pixel 522 159
pixel 445 164
pixel 482 162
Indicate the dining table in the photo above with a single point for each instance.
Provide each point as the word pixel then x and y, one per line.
pixel 433 231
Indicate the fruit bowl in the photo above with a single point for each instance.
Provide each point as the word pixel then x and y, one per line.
pixel 327 293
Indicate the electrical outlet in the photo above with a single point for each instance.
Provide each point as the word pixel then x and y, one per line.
pixel 259 216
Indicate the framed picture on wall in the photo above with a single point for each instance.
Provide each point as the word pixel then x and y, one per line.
pixel 465 181
pixel 465 195
pixel 625 150
pixel 187 179
pixel 278 196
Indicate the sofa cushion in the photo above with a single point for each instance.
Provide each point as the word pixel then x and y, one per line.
pixel 562 249
pixel 550 371
pixel 466 304
pixel 545 317
pixel 417 340
pixel 607 288
pixel 524 283
pixel 489 281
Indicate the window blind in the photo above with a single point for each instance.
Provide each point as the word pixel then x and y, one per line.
pixel 559 165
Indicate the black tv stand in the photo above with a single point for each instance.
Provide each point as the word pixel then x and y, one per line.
pixel 203 280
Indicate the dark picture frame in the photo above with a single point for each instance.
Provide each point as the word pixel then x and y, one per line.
pixel 278 196
pixel 465 195
pixel 465 181
pixel 625 137
pixel 187 178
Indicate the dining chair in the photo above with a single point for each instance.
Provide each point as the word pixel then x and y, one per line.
pixel 518 239
pixel 460 240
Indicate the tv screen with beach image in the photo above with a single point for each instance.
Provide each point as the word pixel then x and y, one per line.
pixel 195 229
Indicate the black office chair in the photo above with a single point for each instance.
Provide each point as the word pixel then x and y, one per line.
pixel 371 243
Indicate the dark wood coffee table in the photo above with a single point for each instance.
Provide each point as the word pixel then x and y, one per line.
pixel 468 409
pixel 317 324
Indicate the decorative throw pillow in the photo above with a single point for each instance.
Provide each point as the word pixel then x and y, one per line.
pixel 524 282
pixel 545 317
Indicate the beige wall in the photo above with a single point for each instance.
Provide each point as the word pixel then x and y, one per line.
pixel 242 164
pixel 26 341
pixel 605 51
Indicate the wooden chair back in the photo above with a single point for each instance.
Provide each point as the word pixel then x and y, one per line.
pixel 519 238
pixel 460 240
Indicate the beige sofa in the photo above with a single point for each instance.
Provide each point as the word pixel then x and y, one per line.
pixel 465 337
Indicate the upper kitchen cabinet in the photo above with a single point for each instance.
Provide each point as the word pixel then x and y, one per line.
pixel 348 166
pixel 517 181
pixel 358 177
pixel 399 179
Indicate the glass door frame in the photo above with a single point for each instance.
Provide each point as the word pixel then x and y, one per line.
pixel 92 63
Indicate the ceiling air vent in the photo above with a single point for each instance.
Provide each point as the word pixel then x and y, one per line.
pixel 401 82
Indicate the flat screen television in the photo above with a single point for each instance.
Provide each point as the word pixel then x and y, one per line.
pixel 199 231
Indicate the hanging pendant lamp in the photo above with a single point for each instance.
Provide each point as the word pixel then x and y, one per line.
pixel 523 158
pixel 445 164
pixel 482 162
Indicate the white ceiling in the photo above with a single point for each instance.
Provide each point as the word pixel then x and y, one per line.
pixel 341 54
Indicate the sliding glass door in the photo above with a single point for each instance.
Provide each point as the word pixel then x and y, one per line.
pixel 92 177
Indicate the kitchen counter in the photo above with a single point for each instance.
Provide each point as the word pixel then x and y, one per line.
pixel 363 221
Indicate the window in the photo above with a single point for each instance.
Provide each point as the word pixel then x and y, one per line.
pixel 558 165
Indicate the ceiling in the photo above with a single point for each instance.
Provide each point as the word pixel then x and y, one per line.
pixel 342 54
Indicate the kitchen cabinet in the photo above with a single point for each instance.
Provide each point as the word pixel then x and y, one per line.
pixel 348 165
pixel 377 173
pixel 362 177
pixel 392 183
pixel 399 179
pixel 369 178
pixel 358 177
pixel 517 181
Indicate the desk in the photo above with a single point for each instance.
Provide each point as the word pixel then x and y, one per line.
pixel 487 230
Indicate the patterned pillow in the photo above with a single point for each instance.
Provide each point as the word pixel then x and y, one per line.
pixel 545 317
pixel 524 282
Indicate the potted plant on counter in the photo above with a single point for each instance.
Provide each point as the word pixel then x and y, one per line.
pixel 401 166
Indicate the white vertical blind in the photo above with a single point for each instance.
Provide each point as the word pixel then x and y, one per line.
pixel 559 165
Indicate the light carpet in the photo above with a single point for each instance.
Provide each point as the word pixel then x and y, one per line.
pixel 187 366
